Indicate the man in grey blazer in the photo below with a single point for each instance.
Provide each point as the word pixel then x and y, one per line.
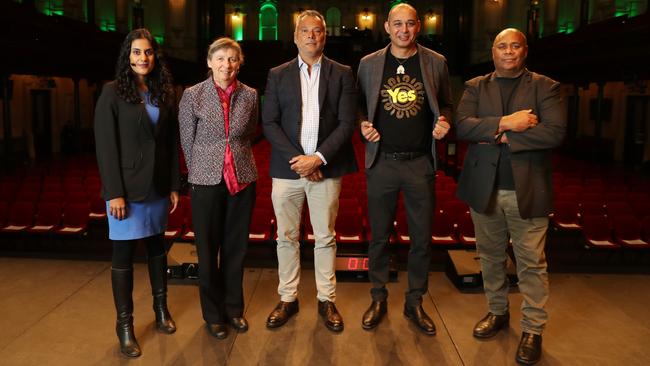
pixel 308 117
pixel 406 103
pixel 512 118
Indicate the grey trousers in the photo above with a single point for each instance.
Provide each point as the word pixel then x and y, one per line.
pixel 288 196
pixel 493 229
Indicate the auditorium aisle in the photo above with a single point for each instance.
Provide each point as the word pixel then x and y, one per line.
pixel 61 313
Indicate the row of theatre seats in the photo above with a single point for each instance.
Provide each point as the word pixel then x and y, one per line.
pixel 609 210
pixel 57 199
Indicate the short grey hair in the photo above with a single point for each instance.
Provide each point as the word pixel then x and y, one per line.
pixel 310 13
pixel 225 42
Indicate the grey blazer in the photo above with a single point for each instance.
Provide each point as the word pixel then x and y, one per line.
pixel 203 136
pixel 477 120
pixel 282 118
pixel 435 77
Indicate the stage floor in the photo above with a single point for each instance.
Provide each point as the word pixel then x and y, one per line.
pixel 57 312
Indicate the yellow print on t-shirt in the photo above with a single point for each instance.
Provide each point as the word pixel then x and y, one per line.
pixel 402 96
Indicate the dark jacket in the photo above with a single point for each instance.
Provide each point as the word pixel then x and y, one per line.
pixel 282 117
pixel 435 78
pixel 133 155
pixel 477 120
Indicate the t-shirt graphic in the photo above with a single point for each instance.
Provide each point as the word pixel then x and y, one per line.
pixel 402 96
pixel 403 118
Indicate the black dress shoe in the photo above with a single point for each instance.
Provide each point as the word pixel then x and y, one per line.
pixel 239 324
pixel 219 331
pixel 372 317
pixel 490 325
pixel 529 351
pixel 281 314
pixel 418 317
pixel 333 320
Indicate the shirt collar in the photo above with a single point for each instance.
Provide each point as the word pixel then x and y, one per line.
pixel 301 62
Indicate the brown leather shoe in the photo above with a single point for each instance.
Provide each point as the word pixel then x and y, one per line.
pixel 529 351
pixel 282 313
pixel 333 320
pixel 219 331
pixel 418 317
pixel 490 325
pixel 239 324
pixel 372 317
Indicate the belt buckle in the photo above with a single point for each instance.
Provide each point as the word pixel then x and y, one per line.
pixel 396 156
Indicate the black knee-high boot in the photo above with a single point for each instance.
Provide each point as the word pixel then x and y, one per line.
pixel 122 281
pixel 158 278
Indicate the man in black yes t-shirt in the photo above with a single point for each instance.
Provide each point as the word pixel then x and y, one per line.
pixel 406 101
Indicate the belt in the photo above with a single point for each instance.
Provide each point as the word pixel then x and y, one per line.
pixel 400 156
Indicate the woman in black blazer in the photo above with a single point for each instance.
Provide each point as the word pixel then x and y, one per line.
pixel 136 143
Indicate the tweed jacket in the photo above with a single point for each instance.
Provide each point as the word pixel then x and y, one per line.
pixel 133 154
pixel 282 118
pixel 202 130
pixel 435 78
pixel 478 115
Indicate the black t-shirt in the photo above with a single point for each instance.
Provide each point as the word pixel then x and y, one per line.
pixel 504 178
pixel 404 118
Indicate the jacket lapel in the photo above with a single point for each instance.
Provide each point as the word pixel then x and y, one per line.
pixel 377 70
pixel 494 95
pixel 323 81
pixel 162 119
pixel 521 98
pixel 429 86
pixel 294 78
pixel 211 98
pixel 145 121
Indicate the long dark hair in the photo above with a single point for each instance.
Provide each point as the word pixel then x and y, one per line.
pixel 159 80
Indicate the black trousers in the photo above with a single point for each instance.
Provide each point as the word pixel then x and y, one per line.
pixel 221 224
pixel 416 180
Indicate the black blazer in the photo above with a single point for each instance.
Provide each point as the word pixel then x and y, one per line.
pixel 282 117
pixel 132 154
pixel 478 115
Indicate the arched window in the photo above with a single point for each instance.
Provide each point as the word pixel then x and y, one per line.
pixel 333 20
pixel 268 22
pixel 396 2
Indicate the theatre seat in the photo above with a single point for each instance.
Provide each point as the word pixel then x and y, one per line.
pixel 597 232
pixel 566 216
pixel 349 228
pixel 97 208
pixel 4 212
pixel 466 233
pixel 48 218
pixel 261 225
pixel 175 223
pixel 19 217
pixel 75 219
pixel 188 234
pixel 443 231
pixel 628 232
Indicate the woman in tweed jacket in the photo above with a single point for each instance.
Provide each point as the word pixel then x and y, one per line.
pixel 217 119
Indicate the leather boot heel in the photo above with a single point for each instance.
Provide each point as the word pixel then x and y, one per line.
pixel 122 283
pixel 126 335
pixel 158 279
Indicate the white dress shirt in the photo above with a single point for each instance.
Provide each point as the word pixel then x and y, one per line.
pixel 309 83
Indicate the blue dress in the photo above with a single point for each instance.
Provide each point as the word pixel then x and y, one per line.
pixel 145 218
